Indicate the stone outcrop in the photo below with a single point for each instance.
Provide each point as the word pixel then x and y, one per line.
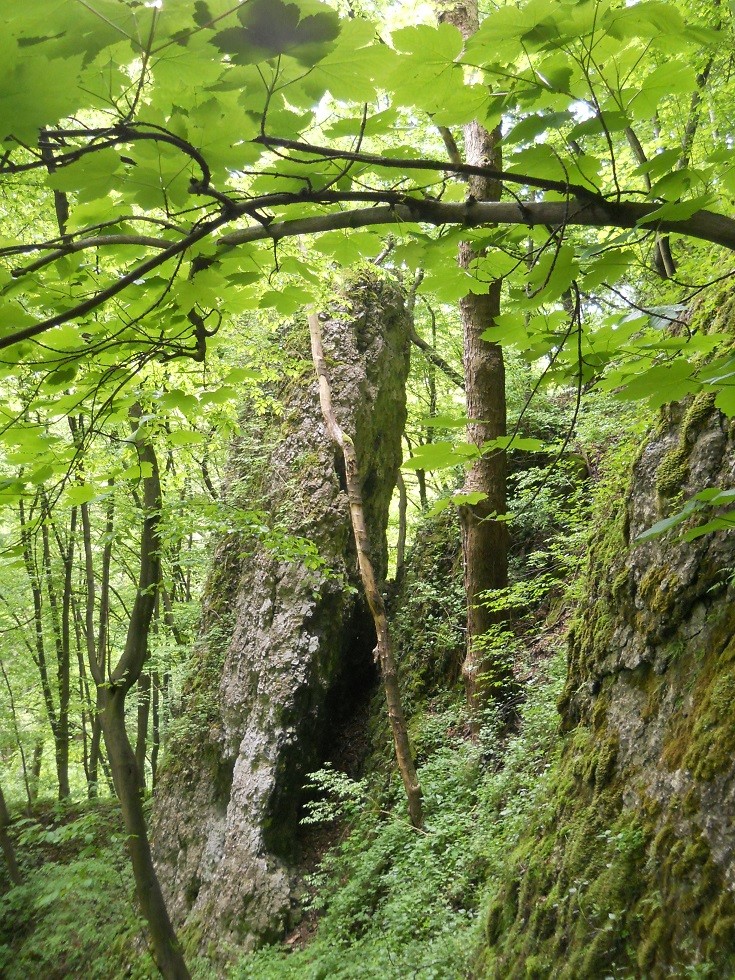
pixel 286 643
pixel 629 870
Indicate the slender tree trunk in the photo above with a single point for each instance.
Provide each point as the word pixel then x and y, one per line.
pixel 27 778
pixel 29 560
pixel 144 706
pixel 95 635
pixel 87 709
pixel 484 539
pixel 384 649
pixel 7 844
pixel 60 627
pixel 402 523
pixel 94 759
pixel 155 726
pixel 113 684
pixel 166 949
pixel 34 776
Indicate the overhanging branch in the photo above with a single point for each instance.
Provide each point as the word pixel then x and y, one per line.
pixel 704 225
pixel 398 209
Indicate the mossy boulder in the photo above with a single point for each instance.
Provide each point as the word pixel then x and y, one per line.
pixel 630 870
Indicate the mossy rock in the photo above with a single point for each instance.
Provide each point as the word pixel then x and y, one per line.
pixel 632 875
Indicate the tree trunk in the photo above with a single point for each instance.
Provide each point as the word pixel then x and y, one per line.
pixel 402 527
pixel 113 684
pixel 7 844
pixel 94 759
pixel 384 649
pixel 484 539
pixel 125 774
pixel 60 628
pixel 27 778
pixel 34 776
pixel 31 567
pixel 144 707
pixel 155 726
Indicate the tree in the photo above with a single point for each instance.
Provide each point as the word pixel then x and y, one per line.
pixel 484 538
pixel 384 648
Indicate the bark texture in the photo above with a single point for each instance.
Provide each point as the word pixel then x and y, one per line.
pixel 484 540
pixel 285 647
pixel 371 586
pixel 112 689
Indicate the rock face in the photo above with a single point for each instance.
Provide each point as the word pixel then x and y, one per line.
pixel 630 869
pixel 296 639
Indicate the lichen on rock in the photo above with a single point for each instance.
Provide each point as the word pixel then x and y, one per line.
pixel 298 640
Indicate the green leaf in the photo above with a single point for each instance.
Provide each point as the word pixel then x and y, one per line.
pixel 725 522
pixel 725 400
pixel 288 300
pixel 609 267
pixel 677 210
pixel 139 471
pixel 238 375
pixel 445 421
pixel 426 74
pixel 37 92
pixel 348 247
pixel 538 160
pixel 92 177
pixel 551 276
pixel 182 437
pixel 351 71
pixel 456 500
pixel 662 526
pixel 673 78
pixel 180 400
pixel 508 329
pixel 646 19
pixel 515 442
pixel 714 496
pixel 441 456
pixel 610 121
pixel 81 493
pixel 219 396
pixel 534 125
pixel 661 384
pixel 274 27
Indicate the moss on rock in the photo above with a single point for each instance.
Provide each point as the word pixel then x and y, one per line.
pixel 673 470
pixel 632 875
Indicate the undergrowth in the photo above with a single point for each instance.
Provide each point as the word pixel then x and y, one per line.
pixel 73 916
pixel 396 902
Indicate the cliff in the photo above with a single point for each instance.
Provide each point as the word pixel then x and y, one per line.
pixel 286 645
pixel 629 865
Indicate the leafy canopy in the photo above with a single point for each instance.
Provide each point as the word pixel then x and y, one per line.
pixel 157 160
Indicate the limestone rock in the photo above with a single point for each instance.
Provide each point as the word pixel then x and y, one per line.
pixel 297 640
pixel 630 868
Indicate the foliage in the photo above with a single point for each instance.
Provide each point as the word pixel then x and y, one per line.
pixel 337 796
pixel 55 924
pixel 397 902
pixel 158 159
pixel 156 183
pixel 158 264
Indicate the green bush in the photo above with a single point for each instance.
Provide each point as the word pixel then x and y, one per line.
pixel 396 902
pixel 73 916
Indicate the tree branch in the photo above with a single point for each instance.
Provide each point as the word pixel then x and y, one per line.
pixel 704 225
pixel 401 209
